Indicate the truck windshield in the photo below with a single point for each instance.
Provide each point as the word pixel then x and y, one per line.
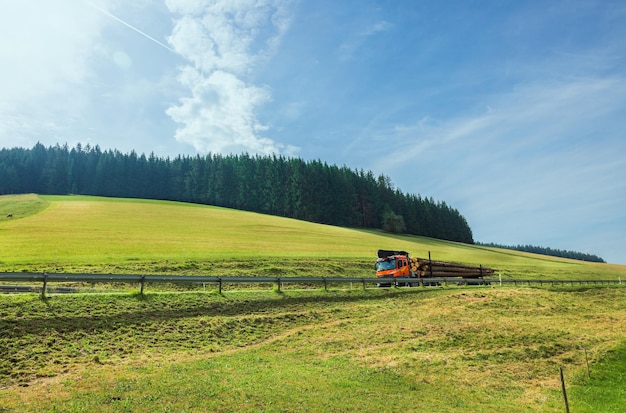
pixel 386 265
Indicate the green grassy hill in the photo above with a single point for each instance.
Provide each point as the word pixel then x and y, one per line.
pixel 93 234
pixel 465 349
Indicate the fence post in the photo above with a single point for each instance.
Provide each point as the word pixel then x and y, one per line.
pixel 325 284
pixel 430 265
pixel 363 281
pixel 587 361
pixel 564 391
pixel 143 282
pixel 220 284
pixel 278 283
pixel 45 284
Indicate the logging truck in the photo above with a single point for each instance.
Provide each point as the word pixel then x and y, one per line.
pixel 398 267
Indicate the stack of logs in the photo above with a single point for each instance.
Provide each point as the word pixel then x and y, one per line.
pixel 425 268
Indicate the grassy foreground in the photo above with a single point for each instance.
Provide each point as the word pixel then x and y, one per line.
pixel 91 234
pixel 474 350
pixel 432 349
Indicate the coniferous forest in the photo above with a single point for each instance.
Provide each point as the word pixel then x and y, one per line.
pixel 574 255
pixel 290 187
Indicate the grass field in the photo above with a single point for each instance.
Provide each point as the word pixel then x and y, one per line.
pixel 91 234
pixel 481 349
pixel 478 349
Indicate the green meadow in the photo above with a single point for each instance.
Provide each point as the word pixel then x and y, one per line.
pixel 92 234
pixel 437 349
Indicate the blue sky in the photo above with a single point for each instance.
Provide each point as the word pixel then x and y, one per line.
pixel 513 112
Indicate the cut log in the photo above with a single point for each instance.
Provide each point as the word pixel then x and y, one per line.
pixel 423 267
pixel 460 270
pixel 426 262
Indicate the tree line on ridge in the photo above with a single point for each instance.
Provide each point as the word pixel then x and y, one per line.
pixel 581 256
pixel 290 187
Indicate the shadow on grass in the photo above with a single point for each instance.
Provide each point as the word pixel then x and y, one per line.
pixel 162 307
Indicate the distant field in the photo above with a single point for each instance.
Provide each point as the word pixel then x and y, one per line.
pixel 478 349
pixel 93 234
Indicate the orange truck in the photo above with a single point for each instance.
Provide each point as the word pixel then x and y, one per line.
pixel 397 268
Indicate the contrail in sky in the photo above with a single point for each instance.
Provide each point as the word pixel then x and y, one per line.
pixel 130 26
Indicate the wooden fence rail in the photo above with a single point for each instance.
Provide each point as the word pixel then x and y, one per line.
pixel 142 280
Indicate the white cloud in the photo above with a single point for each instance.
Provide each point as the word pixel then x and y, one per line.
pixel 41 52
pixel 350 46
pixel 220 114
pixel 52 55
pixel 44 56
pixel 527 118
pixel 538 167
pixel 224 40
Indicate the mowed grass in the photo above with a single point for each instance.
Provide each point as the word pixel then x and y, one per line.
pixel 13 207
pixel 93 234
pixel 482 349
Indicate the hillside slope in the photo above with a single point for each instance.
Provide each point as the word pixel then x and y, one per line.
pixel 93 234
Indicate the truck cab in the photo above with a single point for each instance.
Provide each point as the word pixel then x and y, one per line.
pixel 392 264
